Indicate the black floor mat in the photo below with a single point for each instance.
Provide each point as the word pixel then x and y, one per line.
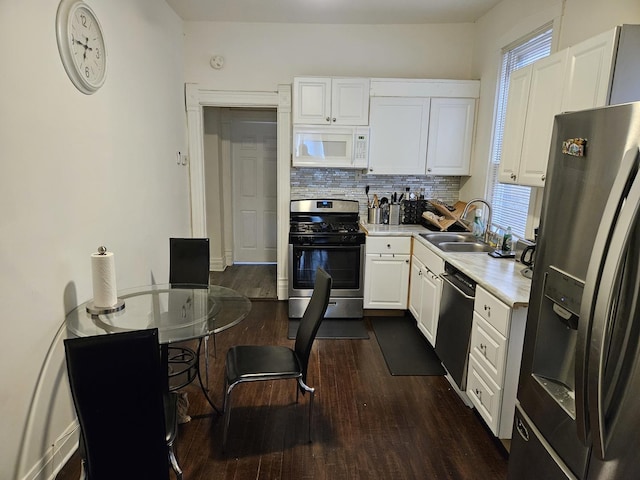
pixel 351 328
pixel 405 349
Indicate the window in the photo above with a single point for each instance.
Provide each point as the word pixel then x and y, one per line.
pixel 511 202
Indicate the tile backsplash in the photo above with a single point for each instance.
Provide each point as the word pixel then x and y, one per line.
pixel 350 185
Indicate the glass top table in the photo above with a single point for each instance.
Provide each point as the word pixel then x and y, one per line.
pixel 179 312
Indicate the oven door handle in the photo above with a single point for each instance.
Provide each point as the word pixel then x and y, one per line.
pixel 445 277
pixel 327 247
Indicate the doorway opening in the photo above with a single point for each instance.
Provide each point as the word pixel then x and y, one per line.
pixel 210 211
pixel 240 165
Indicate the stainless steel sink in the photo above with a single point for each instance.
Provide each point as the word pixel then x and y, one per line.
pixel 440 237
pixel 464 247
pixel 463 242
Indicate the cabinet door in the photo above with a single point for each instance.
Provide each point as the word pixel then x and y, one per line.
pixel 398 136
pixel 415 287
pixel 589 69
pixel 350 101
pixel 545 101
pixel 312 100
pixel 514 123
pixel 485 395
pixel 430 307
pixel 451 122
pixel 489 348
pixel 386 283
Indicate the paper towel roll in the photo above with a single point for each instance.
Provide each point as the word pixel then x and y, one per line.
pixel 103 269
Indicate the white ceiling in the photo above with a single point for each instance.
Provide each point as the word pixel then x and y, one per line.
pixel 333 11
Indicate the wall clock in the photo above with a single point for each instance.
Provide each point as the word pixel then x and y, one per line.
pixel 81 45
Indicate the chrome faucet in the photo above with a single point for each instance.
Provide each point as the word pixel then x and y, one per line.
pixel 487 227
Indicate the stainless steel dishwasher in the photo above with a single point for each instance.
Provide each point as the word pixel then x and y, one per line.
pixel 454 323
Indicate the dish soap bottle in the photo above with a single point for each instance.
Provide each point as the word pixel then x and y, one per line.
pixel 478 227
pixel 506 241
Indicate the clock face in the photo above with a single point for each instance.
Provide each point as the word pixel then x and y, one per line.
pixel 81 45
pixel 87 46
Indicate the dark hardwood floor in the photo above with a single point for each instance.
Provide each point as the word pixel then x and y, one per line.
pixel 253 281
pixel 367 424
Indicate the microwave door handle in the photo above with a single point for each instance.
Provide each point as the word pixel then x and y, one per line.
pixel 604 315
pixel 628 168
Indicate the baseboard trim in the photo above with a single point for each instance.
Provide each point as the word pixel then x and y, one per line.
pixel 55 456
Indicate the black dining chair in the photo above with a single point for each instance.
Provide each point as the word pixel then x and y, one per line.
pixel 128 421
pixel 189 262
pixel 251 363
pixel 189 268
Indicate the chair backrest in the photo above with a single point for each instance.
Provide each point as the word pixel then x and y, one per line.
pixel 117 383
pixel 311 319
pixel 189 261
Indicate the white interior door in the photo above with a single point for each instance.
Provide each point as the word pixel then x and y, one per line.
pixel 254 168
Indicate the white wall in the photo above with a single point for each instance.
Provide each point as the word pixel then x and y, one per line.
pixel 78 171
pixel 576 20
pixel 261 56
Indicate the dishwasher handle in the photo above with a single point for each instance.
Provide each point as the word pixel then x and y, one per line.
pixel 445 277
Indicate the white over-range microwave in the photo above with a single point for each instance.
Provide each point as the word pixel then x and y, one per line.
pixel 329 146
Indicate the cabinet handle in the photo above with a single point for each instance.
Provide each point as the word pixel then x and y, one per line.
pixel 388 245
pixel 483 348
pixel 420 273
pixel 522 430
pixel 328 119
pixel 487 309
pixel 334 120
pixel 406 261
pixel 513 176
pixel 428 169
pixel 479 394
pixel 543 177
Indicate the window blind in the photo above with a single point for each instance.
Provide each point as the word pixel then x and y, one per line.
pixel 511 202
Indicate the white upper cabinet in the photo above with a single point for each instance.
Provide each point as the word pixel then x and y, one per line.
pixel 589 69
pixel 529 120
pixel 577 78
pixel 398 135
pixel 451 123
pixel 422 127
pixel 519 85
pixel 330 101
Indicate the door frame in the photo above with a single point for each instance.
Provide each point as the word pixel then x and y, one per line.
pixel 199 96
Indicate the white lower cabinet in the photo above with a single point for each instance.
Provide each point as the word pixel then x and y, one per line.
pixel 484 394
pixel 497 337
pixel 425 288
pixel 386 279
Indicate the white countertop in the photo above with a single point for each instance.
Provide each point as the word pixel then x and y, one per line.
pixel 499 276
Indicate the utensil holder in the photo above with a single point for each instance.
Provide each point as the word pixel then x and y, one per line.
pixel 394 214
pixel 374 215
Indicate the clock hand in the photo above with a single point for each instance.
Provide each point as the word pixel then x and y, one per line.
pixel 86 47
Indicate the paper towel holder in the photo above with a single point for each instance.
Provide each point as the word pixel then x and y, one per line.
pixel 93 309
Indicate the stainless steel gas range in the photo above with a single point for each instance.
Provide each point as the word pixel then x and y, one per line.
pixel 326 233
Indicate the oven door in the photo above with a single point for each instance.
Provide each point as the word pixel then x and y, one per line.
pixel 343 262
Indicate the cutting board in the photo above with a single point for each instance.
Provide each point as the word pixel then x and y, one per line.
pixel 450 217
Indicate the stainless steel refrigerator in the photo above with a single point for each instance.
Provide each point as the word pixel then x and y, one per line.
pixel 578 411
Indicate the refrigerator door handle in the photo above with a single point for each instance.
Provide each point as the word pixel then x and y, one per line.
pixel 627 171
pixel 604 312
